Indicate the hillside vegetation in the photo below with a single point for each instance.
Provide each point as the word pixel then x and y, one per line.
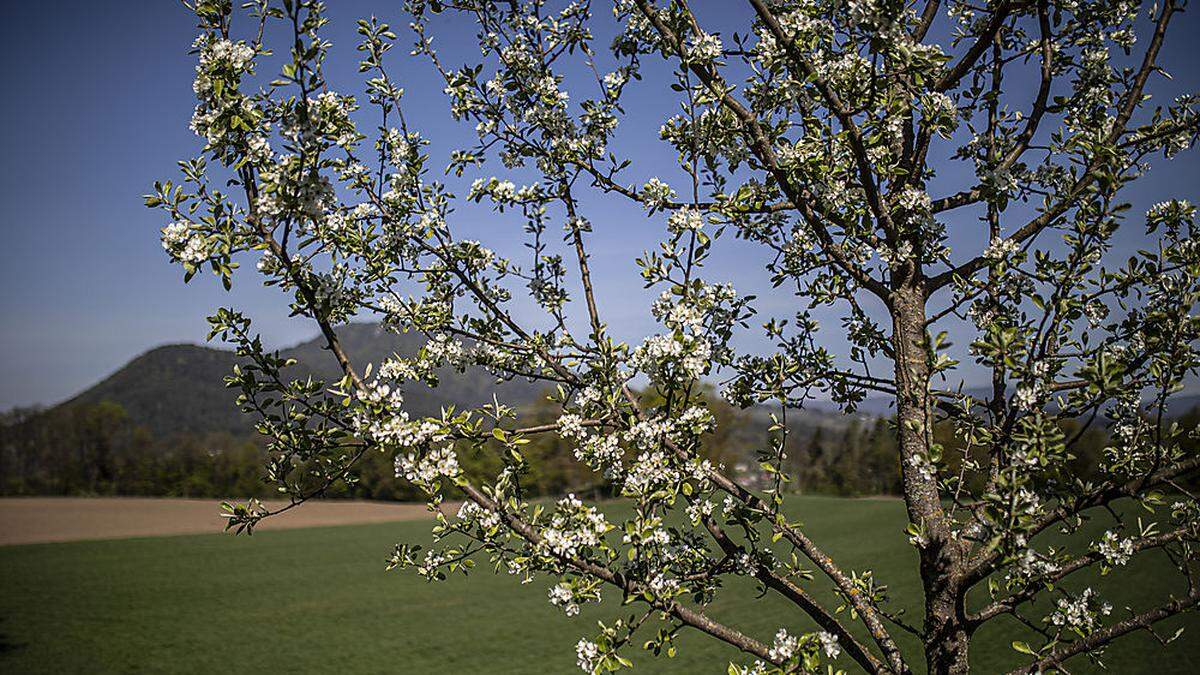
pixel 165 425
pixel 180 388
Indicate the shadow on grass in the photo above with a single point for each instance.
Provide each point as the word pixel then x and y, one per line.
pixel 7 646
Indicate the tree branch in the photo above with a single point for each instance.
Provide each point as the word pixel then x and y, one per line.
pixel 1107 635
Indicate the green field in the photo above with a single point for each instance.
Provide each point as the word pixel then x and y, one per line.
pixel 319 600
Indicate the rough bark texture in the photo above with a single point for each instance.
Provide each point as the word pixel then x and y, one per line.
pixel 946 635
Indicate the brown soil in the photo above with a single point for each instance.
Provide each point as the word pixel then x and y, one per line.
pixel 28 520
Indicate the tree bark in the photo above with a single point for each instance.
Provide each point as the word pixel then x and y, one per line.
pixel 947 636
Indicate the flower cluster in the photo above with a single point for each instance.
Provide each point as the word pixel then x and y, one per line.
pixel 472 513
pixel 342 222
pixel 787 647
pixel 326 120
pixel 217 55
pixel 704 47
pixel 574 528
pixel 829 644
pixel 1096 312
pixel 1080 614
pixel 570 426
pixel 1030 565
pixel 655 194
pixel 381 419
pixel 443 349
pixel 924 468
pixel 290 192
pixel 614 81
pixel 784 647
pixel 650 471
pixel 1115 550
pixel 647 533
pixel 677 313
pixel 224 117
pixel 648 434
pixel 896 256
pixel 426 467
pixel 268 263
pixel 184 243
pixel 686 219
pixel 1027 397
pixel 587 654
pixel 698 511
pixel 602 453
pixel 673 357
pixel 1172 211
pixel 940 113
pixel 561 595
pixel 1000 248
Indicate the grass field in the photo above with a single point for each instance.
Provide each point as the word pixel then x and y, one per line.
pixel 319 600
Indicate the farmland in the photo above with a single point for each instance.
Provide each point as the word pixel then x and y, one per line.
pixel 318 599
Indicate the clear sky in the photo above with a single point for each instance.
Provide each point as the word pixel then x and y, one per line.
pixel 97 97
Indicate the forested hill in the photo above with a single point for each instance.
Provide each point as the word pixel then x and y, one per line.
pixel 166 425
pixel 180 388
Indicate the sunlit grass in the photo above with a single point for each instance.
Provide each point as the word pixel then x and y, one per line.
pixel 319 600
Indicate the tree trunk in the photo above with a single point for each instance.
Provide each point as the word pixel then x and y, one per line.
pixel 946 635
pixel 913 414
pixel 946 638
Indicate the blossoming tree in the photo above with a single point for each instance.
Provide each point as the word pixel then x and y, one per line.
pixel 808 134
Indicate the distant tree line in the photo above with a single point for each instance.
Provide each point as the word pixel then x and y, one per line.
pixel 97 449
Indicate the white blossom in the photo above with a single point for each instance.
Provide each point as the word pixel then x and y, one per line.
pixel 784 646
pixel 1081 614
pixel 655 194
pixel 899 255
pixel 829 644
pixel 699 510
pixel 1031 565
pixel 184 243
pixel 704 47
pixel 574 527
pixel 923 467
pixel 601 453
pixel 570 426
pixel 425 468
pixel 1027 397
pixel 1096 312
pixel 686 219
pixel 586 655
pixel 1115 550
pixel 665 357
pixel 1172 210
pixel 1000 248
pixel 561 595
pixel 471 512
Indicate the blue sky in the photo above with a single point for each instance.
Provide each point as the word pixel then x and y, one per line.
pixel 97 100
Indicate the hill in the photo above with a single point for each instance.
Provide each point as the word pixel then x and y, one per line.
pixel 165 425
pixel 180 389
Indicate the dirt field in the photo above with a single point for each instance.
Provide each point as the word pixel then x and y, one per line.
pixel 29 520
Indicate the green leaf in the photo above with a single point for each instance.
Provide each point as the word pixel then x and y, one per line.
pixel 1023 647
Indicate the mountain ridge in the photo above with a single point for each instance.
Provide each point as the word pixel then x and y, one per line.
pixel 179 388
